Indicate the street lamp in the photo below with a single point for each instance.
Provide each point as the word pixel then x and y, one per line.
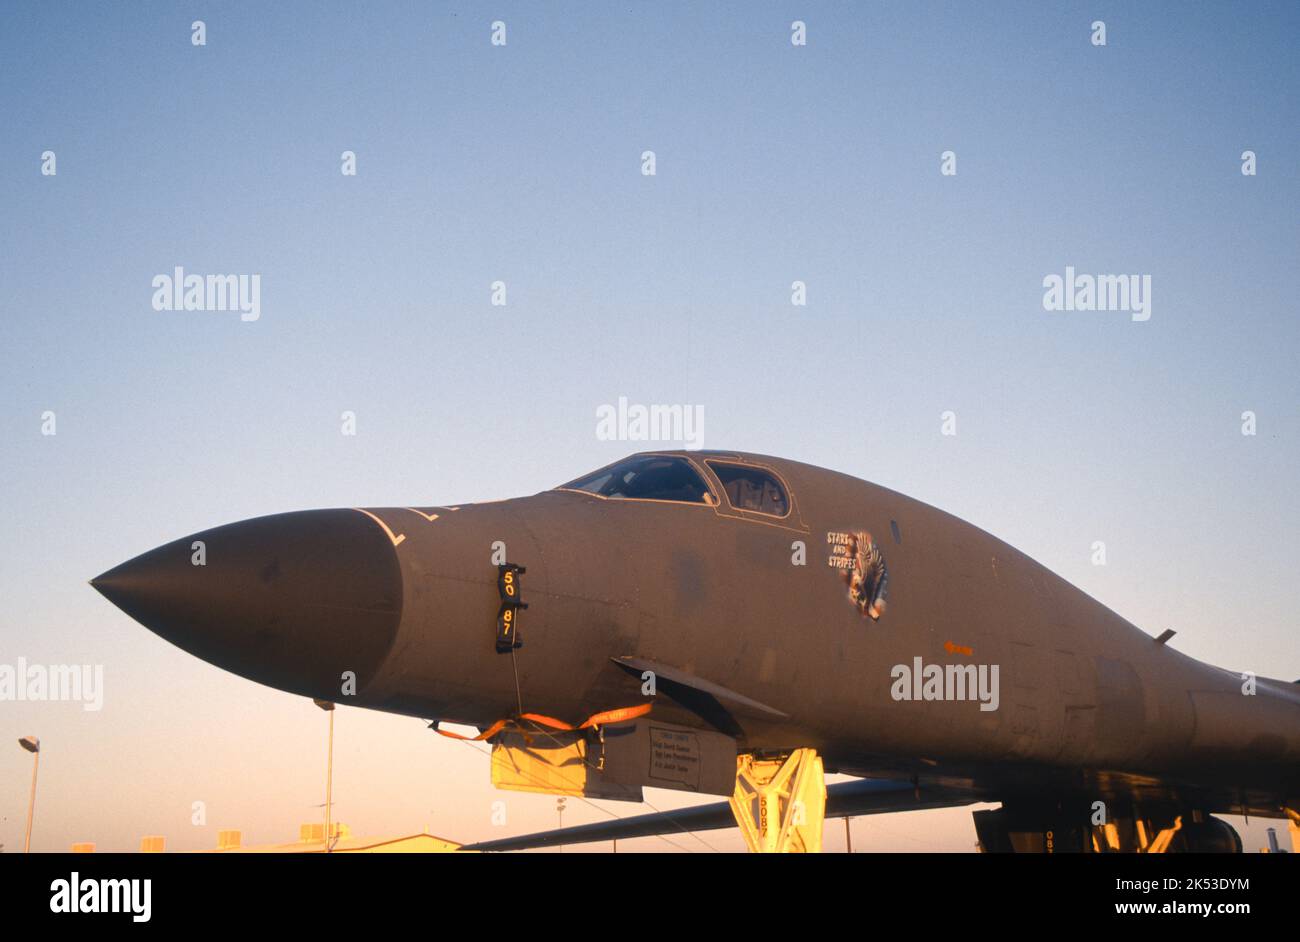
pixel 329 772
pixel 559 810
pixel 32 745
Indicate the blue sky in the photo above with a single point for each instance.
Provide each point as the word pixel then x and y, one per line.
pixel 522 164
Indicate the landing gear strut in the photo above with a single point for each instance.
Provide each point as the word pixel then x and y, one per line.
pixel 780 803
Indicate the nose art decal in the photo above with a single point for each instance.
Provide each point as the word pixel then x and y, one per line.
pixel 862 566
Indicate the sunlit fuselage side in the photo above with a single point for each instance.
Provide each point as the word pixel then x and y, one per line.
pixel 748 601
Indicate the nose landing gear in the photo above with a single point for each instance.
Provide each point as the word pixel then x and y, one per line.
pixel 780 802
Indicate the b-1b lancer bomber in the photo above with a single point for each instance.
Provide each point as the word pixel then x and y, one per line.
pixel 738 625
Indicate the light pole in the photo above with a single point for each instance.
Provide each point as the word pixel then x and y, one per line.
pixel 329 772
pixel 32 745
pixel 559 810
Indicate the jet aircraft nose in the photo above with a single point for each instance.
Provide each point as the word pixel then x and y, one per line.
pixel 291 600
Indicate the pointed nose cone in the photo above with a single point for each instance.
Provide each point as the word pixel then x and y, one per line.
pixel 291 600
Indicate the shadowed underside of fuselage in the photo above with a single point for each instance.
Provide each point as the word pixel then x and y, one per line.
pixel 736 624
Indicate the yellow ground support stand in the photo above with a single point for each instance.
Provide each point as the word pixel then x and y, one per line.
pixel 780 803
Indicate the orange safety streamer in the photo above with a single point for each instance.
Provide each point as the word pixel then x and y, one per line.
pixel 595 720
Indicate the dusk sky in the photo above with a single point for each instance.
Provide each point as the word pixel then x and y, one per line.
pixel 523 163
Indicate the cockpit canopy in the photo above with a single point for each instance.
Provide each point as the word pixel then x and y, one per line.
pixel 747 487
pixel 647 477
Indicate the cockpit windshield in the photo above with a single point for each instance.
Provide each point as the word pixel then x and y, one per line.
pixel 647 477
pixel 751 488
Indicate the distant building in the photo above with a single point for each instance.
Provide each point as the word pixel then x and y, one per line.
pixel 311 840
